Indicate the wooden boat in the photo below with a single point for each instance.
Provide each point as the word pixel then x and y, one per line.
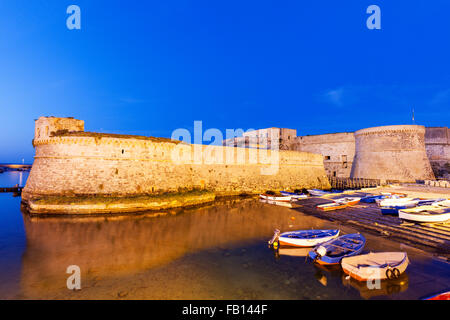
pixel 348 200
pixel 395 194
pixel 399 202
pixel 376 266
pixel 294 195
pixel 272 197
pixel 443 204
pixel 425 214
pixel 440 296
pixel 278 203
pixel 427 202
pixel 333 251
pixel 306 238
pixel 331 206
pixel 392 206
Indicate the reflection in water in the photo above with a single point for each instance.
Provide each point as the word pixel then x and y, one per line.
pixel 214 252
pixel 387 287
pixel 325 274
pixel 123 245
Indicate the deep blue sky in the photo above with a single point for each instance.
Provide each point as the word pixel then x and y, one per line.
pixel 149 67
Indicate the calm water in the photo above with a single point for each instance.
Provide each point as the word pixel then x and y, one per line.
pixel 214 252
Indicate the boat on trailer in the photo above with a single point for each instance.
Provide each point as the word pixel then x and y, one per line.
pixel 333 251
pixel 307 238
pixel 425 214
pixel 375 266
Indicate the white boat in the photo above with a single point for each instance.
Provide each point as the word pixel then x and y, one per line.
pixel 425 214
pixel 442 204
pixel 295 196
pixel 348 200
pixel 307 238
pixel 317 192
pixel 278 203
pixel 376 266
pixel 270 197
pixel 390 196
pixel 399 202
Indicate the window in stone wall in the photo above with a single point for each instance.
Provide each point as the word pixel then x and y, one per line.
pixel 327 157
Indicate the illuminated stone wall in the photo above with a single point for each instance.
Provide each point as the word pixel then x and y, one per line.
pixel 437 143
pixel 82 163
pixel 392 153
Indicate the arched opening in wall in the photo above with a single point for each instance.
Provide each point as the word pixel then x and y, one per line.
pixel 123 151
pixel 334 173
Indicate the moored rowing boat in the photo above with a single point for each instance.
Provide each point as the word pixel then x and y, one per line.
pixel 307 238
pixel 333 251
pixel 274 197
pixel 376 266
pixel 294 195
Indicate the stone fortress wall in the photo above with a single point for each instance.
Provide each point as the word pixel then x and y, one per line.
pixel 340 151
pixel 71 162
pixel 437 143
pixel 391 153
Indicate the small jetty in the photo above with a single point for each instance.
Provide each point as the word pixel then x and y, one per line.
pixel 11 189
pixel 367 216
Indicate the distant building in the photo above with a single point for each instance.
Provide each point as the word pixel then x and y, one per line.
pixel 279 138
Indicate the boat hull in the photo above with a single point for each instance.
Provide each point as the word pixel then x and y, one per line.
pixel 296 239
pixel 275 198
pixel 352 249
pixel 375 266
pixel 425 214
pixel 331 206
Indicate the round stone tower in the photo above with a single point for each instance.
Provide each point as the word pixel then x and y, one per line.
pixel 392 153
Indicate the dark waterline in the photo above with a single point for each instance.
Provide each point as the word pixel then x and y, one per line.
pixel 214 252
